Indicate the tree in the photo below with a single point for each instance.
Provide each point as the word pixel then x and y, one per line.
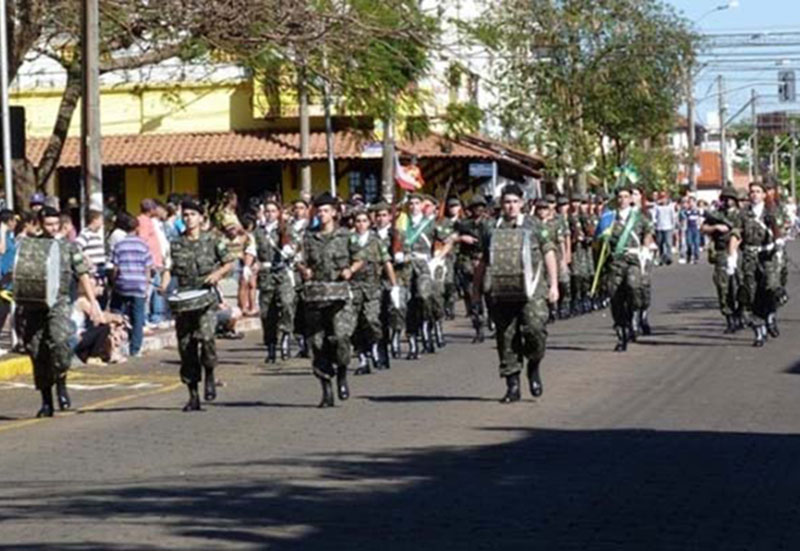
pixel 572 72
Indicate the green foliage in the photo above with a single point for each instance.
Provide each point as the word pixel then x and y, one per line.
pixel 657 167
pixel 462 118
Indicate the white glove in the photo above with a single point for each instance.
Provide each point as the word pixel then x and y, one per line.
pixel 645 254
pixel 287 251
pixel 730 267
pixel 394 295
pixel 780 242
pixel 399 257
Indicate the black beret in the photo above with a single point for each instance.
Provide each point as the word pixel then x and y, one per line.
pixel 477 201
pixel 580 197
pixel 541 203
pixel 562 200
pixel 728 192
pixel 324 198
pixel 550 198
pixel 48 212
pixel 190 203
pixel 383 205
pixel 453 201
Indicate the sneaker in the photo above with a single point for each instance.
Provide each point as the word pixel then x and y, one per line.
pixel 682 261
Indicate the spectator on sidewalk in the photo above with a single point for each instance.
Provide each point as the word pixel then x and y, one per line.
pixel 665 220
pixel 694 218
pixel 159 306
pixel 8 251
pixel 67 228
pixel 133 266
pixel 36 202
pixel 97 342
pixel 90 242
pixel 154 305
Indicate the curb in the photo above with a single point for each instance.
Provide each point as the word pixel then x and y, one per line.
pixel 18 365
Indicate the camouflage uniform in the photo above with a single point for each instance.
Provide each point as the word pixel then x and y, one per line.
pixel 564 273
pixel 467 258
pixel 366 287
pixel 329 325
pixel 582 269
pixel 192 261
pixel 521 325
pixel 446 289
pixel 418 253
pixel 725 284
pixel 275 286
pixel 626 276
pixel 394 319
pixel 760 266
pixel 46 332
pixel 297 232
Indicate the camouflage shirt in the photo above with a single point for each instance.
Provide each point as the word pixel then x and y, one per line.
pixel 374 254
pixel 194 259
pixel 327 254
pixel 758 231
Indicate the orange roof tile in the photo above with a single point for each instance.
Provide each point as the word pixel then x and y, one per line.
pixel 199 148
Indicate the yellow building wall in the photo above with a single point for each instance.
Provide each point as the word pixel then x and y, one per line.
pixel 143 183
pixel 320 181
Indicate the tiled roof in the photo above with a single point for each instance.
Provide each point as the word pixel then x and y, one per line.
pixel 245 147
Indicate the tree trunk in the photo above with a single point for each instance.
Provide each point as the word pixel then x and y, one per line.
pixel 69 102
pixel 24 183
pixel 387 180
pixel 305 131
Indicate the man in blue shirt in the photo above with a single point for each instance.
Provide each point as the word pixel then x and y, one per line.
pixel 694 219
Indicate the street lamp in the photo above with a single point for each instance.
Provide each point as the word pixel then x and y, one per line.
pixel 730 5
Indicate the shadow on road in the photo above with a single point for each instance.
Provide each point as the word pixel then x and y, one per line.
pixel 548 489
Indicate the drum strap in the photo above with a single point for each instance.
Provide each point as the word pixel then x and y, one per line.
pixel 417 232
pixel 536 278
pixel 622 244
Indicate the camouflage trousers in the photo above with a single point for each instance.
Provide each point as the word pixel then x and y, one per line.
pixel 46 334
pixel 760 285
pixel 420 304
pixel 582 273
pixel 520 333
pixel 627 289
pixel 465 275
pixel 196 343
pixel 367 313
pixel 727 294
pixel 276 304
pixel 330 327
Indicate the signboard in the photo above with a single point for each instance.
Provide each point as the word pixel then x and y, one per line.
pixel 372 150
pixel 481 170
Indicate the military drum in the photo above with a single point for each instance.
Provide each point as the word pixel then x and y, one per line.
pixel 191 301
pixel 37 272
pixel 321 293
pixel 511 273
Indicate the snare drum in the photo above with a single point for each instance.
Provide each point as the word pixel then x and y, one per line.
pixel 37 272
pixel 326 292
pixel 191 301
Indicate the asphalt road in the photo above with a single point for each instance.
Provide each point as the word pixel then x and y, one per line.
pixel 688 441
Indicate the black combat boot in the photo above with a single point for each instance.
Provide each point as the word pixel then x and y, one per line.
pixel 512 390
pixel 210 386
pixel 772 326
pixel 622 339
pixel 64 401
pixel 551 314
pixel 376 357
pixel 47 403
pixel 633 328
pixel 194 399
pixel 730 325
pixel 413 353
pixel 644 324
pixel 386 357
pixel 427 340
pixel 395 344
pixel 760 336
pixel 341 382
pixel 438 334
pixel 285 347
pixel 327 394
pixel 363 365
pixel 271 354
pixel 534 379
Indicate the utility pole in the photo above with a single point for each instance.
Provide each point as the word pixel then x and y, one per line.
pixel 305 129
pixel 754 116
pixel 5 111
pixel 388 188
pixel 326 91
pixel 723 149
pixel 793 165
pixel 690 124
pixel 91 159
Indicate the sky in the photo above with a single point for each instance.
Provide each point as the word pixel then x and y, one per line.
pixel 750 15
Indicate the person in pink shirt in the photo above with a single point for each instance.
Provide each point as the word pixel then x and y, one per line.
pixel 156 311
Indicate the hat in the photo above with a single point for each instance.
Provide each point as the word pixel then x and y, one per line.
pixel 431 198
pixel 562 200
pixel 453 201
pixel 37 199
pixel 416 195
pixel 189 203
pixel 382 205
pixel 324 198
pixel 580 197
pixel 477 201
pixel 513 189
pixel 728 192
pixel 48 212
pixel 550 198
pixel 541 203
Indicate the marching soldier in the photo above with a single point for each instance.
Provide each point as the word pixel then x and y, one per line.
pixel 760 266
pixel 199 261
pixel 443 277
pixel 581 267
pixel 275 282
pixel 629 245
pixel 449 224
pixel 328 263
pixel 393 312
pixel 297 231
pixel 565 259
pixel 641 317
pixel 470 250
pixel 520 320
pixel 366 288
pixel 46 331
pixel 720 226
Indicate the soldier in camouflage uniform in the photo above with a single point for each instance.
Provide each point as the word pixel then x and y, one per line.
pixel 421 234
pixel 629 251
pixel 367 291
pixel 543 209
pixel 565 257
pixel 760 265
pixel 46 332
pixel 297 231
pixel 581 268
pixel 641 317
pixel 443 277
pixel 776 206
pixel 329 256
pixel 454 215
pixel 393 313
pixel 520 324
pixel 470 251
pixel 720 226
pixel 199 261
pixel 275 282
